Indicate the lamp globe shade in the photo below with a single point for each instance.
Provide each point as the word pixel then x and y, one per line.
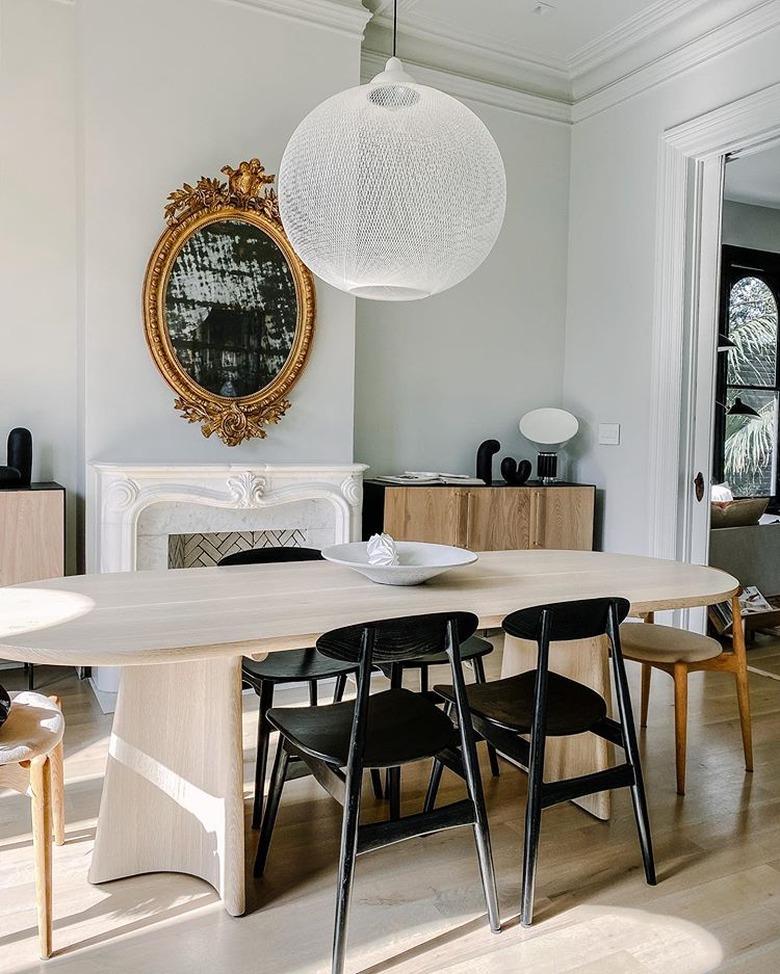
pixel 392 190
pixel 549 428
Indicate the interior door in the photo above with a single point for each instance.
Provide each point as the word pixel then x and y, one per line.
pixel 700 369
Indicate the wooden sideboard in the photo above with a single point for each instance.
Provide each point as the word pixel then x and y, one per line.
pixel 32 533
pixel 492 518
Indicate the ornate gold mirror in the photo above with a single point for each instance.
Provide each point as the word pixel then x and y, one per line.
pixel 228 305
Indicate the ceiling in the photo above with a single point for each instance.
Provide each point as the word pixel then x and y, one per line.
pixel 755 179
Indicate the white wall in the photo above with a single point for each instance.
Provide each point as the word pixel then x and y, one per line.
pixel 40 352
pixel 436 377
pixel 612 271
pixel 179 97
pixel 107 106
pixel 745 225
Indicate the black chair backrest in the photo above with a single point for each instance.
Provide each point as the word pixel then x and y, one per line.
pixel 584 619
pixel 407 637
pixel 268 556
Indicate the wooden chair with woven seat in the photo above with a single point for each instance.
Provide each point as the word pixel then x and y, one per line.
pixel 278 669
pixel 31 762
pixel 679 653
pixel 384 730
pixel 541 703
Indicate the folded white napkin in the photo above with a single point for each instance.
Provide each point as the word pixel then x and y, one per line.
pixel 381 550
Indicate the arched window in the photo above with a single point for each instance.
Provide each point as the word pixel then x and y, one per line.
pixel 746 447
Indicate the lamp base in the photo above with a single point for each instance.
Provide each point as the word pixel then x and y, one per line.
pixel 547 467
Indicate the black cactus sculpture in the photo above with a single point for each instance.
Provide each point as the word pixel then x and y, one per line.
pixel 515 473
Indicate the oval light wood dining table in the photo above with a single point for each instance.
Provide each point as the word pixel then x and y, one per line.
pixel 173 797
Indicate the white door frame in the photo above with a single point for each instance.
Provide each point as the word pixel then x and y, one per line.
pixel 685 313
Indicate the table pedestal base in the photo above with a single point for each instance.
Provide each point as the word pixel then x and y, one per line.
pixel 173 793
pixel 585 661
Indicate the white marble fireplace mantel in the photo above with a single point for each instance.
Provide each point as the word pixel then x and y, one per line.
pixel 132 509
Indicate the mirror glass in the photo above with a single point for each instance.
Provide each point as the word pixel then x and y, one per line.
pixel 230 308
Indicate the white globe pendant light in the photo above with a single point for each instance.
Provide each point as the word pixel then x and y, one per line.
pixel 392 190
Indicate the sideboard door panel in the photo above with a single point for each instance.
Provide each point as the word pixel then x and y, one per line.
pixel 568 518
pixel 499 519
pixel 433 514
pixel 32 533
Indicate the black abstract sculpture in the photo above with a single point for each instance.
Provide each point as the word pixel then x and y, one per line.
pixel 19 454
pixel 515 473
pixel 5 705
pixel 485 453
pixel 9 477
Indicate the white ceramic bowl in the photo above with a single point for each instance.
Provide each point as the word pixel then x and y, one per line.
pixel 419 561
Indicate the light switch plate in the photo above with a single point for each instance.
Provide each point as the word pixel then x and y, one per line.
pixel 609 434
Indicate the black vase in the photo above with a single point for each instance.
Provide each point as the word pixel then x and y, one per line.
pixel 5 705
pixel 20 454
pixel 9 477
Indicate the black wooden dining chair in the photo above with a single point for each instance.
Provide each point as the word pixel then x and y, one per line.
pixel 291 666
pixel 384 730
pixel 542 704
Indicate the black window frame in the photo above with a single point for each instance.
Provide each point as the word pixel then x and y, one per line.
pixel 737 263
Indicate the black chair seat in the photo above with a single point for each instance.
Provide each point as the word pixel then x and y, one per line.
pixel 471 648
pixel 293 665
pixel 571 707
pixel 402 726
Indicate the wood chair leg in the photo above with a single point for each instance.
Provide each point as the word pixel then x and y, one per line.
pixel 647 673
pixel 40 786
pixel 58 787
pixel 263 737
pixel 741 674
pixel 680 722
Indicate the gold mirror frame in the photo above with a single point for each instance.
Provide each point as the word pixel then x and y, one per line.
pixel 247 196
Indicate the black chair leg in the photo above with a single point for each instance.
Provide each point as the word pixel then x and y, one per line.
pixel 263 736
pixel 533 808
pixel 341 686
pixel 533 823
pixel 349 837
pixel 479 675
pixel 29 669
pixel 424 679
pixel 376 784
pixel 433 786
pixel 312 693
pixel 272 807
pixel 394 792
pixel 638 797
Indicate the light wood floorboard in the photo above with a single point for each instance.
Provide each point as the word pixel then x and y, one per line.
pixel 418 907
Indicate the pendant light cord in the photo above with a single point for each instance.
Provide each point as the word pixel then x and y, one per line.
pixel 395 24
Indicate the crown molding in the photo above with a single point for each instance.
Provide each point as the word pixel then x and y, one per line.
pixel 474 89
pixel 634 31
pixel 427 42
pixel 666 39
pixel 761 18
pixel 343 16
